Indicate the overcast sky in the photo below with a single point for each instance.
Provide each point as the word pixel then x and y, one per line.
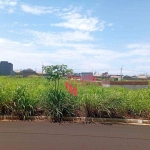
pixel 86 35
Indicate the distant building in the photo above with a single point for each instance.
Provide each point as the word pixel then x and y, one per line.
pixel 87 76
pixel 126 77
pixel 97 75
pixel 6 68
pixel 74 76
pixel 105 74
pixel 142 76
pixel 134 77
pixel 116 77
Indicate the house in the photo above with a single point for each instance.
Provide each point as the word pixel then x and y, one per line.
pixel 87 76
pixel 6 68
pixel 116 77
pixel 126 77
pixel 75 76
pixel 97 77
pixel 105 74
pixel 142 76
pixel 134 77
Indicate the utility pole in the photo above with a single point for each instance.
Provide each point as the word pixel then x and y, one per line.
pixel 146 75
pixel 121 72
pixel 42 68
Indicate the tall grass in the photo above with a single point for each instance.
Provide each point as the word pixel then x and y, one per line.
pixel 20 96
pixel 24 97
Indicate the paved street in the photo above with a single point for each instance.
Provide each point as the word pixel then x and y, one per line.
pixel 72 136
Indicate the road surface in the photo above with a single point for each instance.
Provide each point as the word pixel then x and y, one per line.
pixel 44 135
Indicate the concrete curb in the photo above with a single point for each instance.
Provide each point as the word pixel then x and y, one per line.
pixel 107 120
pixel 82 119
pixel 13 118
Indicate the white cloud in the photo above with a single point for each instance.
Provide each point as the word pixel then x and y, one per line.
pixel 141 60
pixel 37 10
pixel 76 45
pixel 11 10
pixel 10 45
pixel 75 42
pixel 79 56
pixel 74 20
pixel 4 3
pixel 110 24
pixel 16 24
pixel 60 39
pixel 138 46
pixel 147 68
pixel 25 25
pixel 22 55
pixel 139 49
pixel 72 17
pixel 9 5
pixel 27 55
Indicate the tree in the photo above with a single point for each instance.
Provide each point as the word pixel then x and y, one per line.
pixel 54 73
pixel 56 98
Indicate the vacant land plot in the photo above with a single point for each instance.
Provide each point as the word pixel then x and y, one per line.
pixel 25 97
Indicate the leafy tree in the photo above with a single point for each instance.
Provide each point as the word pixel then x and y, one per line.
pixel 55 72
pixel 57 102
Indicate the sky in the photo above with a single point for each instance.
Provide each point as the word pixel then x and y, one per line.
pixel 86 35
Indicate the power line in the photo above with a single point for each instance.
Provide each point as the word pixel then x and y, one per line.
pixel 96 69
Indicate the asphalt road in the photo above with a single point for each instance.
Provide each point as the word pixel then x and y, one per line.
pixel 72 136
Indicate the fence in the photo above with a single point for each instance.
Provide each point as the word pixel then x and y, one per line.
pixel 130 84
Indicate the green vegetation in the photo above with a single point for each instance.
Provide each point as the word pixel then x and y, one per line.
pixel 57 101
pixel 24 97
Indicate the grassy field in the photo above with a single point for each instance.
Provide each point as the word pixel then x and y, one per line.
pixel 25 97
